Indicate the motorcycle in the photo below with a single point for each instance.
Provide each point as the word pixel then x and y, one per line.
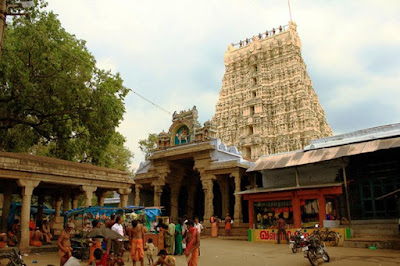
pixel 80 248
pixel 296 241
pixel 13 258
pixel 314 249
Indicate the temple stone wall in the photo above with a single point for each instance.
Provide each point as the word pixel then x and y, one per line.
pixel 267 103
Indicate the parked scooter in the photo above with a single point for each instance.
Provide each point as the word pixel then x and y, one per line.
pixel 13 258
pixel 314 249
pixel 296 241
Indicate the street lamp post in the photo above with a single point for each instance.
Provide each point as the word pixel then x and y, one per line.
pixel 3 15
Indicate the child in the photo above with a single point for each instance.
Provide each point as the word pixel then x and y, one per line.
pixel 149 247
pixel 164 259
pixel 96 244
pixel 100 259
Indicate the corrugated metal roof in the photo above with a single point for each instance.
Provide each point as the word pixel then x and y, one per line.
pixel 297 158
pixel 263 190
pixel 368 134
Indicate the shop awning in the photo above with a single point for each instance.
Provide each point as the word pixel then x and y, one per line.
pixel 302 157
pixel 264 190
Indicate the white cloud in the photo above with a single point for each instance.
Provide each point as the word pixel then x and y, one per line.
pixel 107 64
pixel 172 53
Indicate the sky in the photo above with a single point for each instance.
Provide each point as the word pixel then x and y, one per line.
pixel 172 53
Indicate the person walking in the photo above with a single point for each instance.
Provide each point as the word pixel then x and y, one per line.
pixel 199 227
pixel 282 229
pixel 136 238
pixel 193 244
pixel 171 237
pixel 118 245
pixel 64 244
pixel 178 238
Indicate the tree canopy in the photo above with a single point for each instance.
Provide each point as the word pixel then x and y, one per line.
pixel 54 101
pixel 148 145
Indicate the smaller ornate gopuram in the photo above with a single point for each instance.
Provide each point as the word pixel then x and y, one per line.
pixel 192 173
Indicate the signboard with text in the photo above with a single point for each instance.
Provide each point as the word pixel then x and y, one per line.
pixel 270 235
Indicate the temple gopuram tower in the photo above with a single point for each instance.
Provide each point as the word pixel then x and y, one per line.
pixel 267 103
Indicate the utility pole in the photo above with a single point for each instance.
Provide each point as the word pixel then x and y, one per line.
pixel 3 12
pixel 3 15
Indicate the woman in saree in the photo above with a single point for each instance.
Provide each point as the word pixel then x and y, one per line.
pixel 193 244
pixel 214 226
pixel 178 238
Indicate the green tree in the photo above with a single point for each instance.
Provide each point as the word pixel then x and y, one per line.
pixel 53 99
pixel 148 145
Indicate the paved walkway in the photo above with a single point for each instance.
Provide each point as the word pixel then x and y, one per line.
pixel 236 253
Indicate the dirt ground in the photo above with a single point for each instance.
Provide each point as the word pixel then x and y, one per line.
pixel 236 253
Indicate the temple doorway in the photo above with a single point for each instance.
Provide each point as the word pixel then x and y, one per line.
pixel 165 199
pixel 217 201
pixel 182 202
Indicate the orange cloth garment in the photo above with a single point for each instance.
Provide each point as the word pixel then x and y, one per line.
pixel 194 258
pixel 137 252
pixel 93 247
pixel 228 226
pixel 214 230
pixel 3 244
pixel 35 243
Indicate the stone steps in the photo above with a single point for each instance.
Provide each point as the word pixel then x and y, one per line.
pixel 377 228
pixel 360 232
pixel 385 243
pixel 242 238
pixel 374 221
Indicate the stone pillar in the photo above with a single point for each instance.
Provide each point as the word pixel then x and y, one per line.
pixel 251 215
pixel 66 201
pixel 157 195
pixel 322 210
pixel 207 182
pixel 296 210
pixel 175 188
pixel 224 185
pixel 88 190
pixel 101 196
pixel 191 195
pixel 7 192
pixel 137 194
pixel 58 206
pixel 238 218
pixel 27 190
pixel 123 196
pixel 75 201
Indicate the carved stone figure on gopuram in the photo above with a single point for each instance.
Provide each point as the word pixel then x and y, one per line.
pixel 267 103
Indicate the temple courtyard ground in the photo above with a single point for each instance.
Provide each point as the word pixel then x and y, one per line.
pixel 230 252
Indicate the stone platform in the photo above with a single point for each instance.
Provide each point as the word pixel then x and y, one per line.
pixel 381 234
pixel 238 232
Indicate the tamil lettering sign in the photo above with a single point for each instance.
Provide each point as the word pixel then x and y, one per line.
pixel 271 235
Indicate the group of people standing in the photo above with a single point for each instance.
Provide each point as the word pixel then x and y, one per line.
pixel 182 238
pixel 215 221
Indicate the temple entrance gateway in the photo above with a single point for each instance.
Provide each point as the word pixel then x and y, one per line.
pixel 193 174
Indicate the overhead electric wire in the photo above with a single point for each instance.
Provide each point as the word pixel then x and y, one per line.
pixel 156 105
